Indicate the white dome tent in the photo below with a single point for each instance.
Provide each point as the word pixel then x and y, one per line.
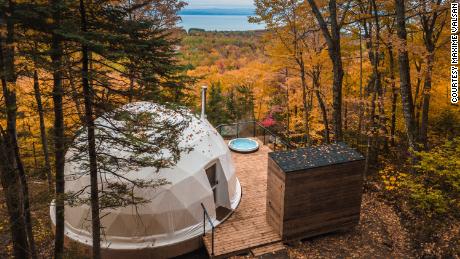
pixel 170 223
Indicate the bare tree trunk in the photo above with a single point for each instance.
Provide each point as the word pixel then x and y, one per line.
pixel 333 41
pixel 336 56
pixel 404 77
pixel 431 34
pixel 306 112
pixel 377 120
pixel 8 65
pixel 324 114
pixel 59 137
pixel 11 181
pixel 373 85
pixel 360 108
pixel 288 115
pixel 417 102
pixel 394 91
pixel 88 96
pixel 426 99
pixel 43 136
pixel 322 105
pixel 11 188
pixel 378 87
pixel 370 148
pixel 337 94
pixel 25 191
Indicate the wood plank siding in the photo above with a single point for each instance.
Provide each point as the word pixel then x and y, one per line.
pixel 315 200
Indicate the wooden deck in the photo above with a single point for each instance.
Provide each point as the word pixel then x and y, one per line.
pixel 247 227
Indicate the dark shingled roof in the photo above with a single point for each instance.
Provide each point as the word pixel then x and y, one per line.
pixel 311 157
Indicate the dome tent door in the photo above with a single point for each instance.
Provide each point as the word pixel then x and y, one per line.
pixel 211 173
pixel 218 184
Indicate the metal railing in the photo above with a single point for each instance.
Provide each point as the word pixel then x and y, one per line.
pixel 256 130
pixel 206 216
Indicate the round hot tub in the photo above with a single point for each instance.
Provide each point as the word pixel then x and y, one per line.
pixel 243 145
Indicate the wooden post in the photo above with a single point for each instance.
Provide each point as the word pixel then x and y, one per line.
pixel 212 241
pixel 264 136
pixel 237 130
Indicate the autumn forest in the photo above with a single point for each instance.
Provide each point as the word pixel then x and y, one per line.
pixel 373 74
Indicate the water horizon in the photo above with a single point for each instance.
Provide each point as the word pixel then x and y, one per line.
pixel 219 19
pixel 218 11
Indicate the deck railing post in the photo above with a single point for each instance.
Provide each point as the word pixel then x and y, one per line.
pixel 283 142
pixel 206 215
pixel 264 136
pixel 212 241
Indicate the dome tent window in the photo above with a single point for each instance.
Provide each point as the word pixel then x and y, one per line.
pixel 169 223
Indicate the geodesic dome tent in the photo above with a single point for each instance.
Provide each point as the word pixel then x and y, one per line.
pixel 173 213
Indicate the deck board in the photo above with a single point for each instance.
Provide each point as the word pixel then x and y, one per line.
pixel 247 227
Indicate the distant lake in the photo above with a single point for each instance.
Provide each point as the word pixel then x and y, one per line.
pixel 219 20
pixel 219 23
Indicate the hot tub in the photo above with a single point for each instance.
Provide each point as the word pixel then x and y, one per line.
pixel 243 145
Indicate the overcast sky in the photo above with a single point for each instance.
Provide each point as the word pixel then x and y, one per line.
pixel 219 3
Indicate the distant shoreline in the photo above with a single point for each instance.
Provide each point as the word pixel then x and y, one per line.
pixel 219 19
pixel 219 11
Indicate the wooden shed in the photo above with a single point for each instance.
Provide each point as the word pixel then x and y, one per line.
pixel 314 190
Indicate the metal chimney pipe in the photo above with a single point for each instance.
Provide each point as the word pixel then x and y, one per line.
pixel 203 102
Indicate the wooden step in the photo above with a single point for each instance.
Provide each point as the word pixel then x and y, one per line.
pixel 268 249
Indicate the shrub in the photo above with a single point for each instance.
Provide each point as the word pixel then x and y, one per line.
pixel 446 124
pixel 433 190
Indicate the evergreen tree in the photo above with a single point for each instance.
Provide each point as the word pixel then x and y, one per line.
pixel 232 106
pixel 12 169
pixel 240 103
pixel 245 100
pixel 216 105
pixel 102 45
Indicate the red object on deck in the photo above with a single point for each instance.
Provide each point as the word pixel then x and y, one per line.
pixel 268 122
